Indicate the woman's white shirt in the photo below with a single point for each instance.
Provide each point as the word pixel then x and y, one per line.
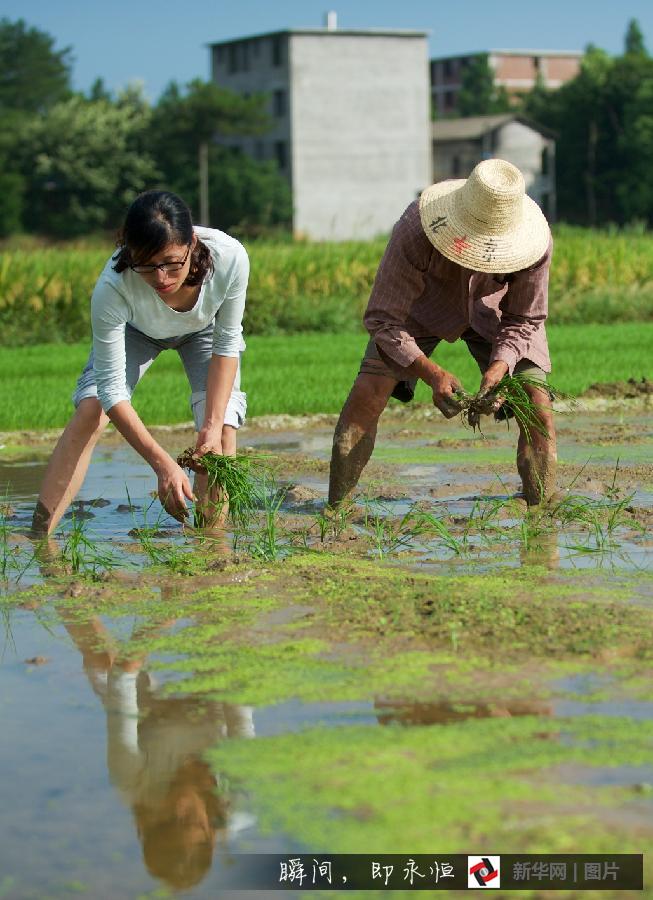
pixel 124 298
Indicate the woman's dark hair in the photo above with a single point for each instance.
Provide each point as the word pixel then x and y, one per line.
pixel 153 221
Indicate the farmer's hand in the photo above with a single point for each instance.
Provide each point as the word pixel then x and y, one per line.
pixel 174 489
pixel 444 385
pixel 490 380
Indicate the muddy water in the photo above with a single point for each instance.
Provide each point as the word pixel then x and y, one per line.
pixel 131 771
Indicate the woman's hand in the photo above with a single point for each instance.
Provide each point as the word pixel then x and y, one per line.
pixel 209 440
pixel 174 488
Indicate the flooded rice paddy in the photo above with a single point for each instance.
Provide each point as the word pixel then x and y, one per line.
pixel 433 671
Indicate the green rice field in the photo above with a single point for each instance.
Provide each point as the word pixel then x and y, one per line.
pixel 300 374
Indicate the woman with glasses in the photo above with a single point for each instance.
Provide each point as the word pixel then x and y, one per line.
pixel 170 285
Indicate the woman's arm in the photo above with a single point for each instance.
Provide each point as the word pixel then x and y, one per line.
pixel 174 487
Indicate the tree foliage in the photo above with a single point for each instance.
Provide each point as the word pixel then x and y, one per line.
pixel 604 124
pixel 479 95
pixel 242 192
pixel 85 162
pixel 33 75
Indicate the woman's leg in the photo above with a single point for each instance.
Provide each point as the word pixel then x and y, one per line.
pixel 71 457
pixel 68 465
pixel 196 351
pixel 212 504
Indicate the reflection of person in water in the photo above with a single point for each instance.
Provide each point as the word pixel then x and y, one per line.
pixel 154 756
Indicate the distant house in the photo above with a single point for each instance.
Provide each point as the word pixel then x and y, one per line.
pixel 459 144
pixel 518 71
pixel 351 121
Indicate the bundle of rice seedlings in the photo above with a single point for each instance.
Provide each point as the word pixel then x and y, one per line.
pixel 237 478
pixel 517 403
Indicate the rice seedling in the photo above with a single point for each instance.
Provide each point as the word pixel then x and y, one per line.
pixel 237 481
pixel 517 403
pixel 169 555
pixel 425 523
pixel 84 556
pixel 267 545
pixel 331 522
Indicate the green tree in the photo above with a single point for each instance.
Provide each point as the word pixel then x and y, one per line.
pixel 634 40
pixel 185 124
pixel 603 119
pixel 479 95
pixel 85 161
pixel 33 75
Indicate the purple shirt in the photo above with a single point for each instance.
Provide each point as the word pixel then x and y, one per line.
pixel 419 293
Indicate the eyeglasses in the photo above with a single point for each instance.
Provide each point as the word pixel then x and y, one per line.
pixel 164 267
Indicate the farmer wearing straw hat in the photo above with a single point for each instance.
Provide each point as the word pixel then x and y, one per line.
pixel 469 260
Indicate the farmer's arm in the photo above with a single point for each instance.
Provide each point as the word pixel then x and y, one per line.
pixel 227 342
pixel 398 284
pixel 523 312
pixel 108 315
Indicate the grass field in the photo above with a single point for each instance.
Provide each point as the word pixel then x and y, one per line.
pixel 299 374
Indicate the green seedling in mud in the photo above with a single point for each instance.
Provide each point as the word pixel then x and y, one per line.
pixel 267 544
pixel 84 555
pixel 169 555
pixel 236 480
pixel 516 401
pixel 332 522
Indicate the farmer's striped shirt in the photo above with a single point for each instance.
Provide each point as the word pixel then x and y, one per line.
pixel 419 293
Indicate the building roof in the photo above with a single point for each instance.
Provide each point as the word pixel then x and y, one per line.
pixel 528 52
pixel 470 128
pixel 328 32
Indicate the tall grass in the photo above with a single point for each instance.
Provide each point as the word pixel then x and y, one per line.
pixel 596 276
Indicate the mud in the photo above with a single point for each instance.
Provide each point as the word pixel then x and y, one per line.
pixel 330 681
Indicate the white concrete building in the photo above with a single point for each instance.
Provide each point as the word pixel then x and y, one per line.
pixel 352 121
pixel 459 144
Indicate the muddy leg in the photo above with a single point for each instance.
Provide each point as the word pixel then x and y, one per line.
pixel 355 434
pixel 68 465
pixel 536 454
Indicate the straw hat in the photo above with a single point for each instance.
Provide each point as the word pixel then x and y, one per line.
pixel 485 222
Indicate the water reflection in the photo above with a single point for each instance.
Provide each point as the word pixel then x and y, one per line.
pixel 409 712
pixel 154 755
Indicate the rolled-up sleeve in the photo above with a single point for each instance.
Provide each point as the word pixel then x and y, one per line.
pixel 399 282
pixel 108 321
pixel 524 309
pixel 229 319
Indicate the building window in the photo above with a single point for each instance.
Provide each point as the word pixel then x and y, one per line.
pixel 277 51
pixel 449 100
pixel 218 55
pixel 259 150
pixel 279 103
pixel 448 68
pixel 545 165
pixel 233 58
pixel 281 154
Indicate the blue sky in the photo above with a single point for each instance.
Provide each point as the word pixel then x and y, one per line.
pixel 156 41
